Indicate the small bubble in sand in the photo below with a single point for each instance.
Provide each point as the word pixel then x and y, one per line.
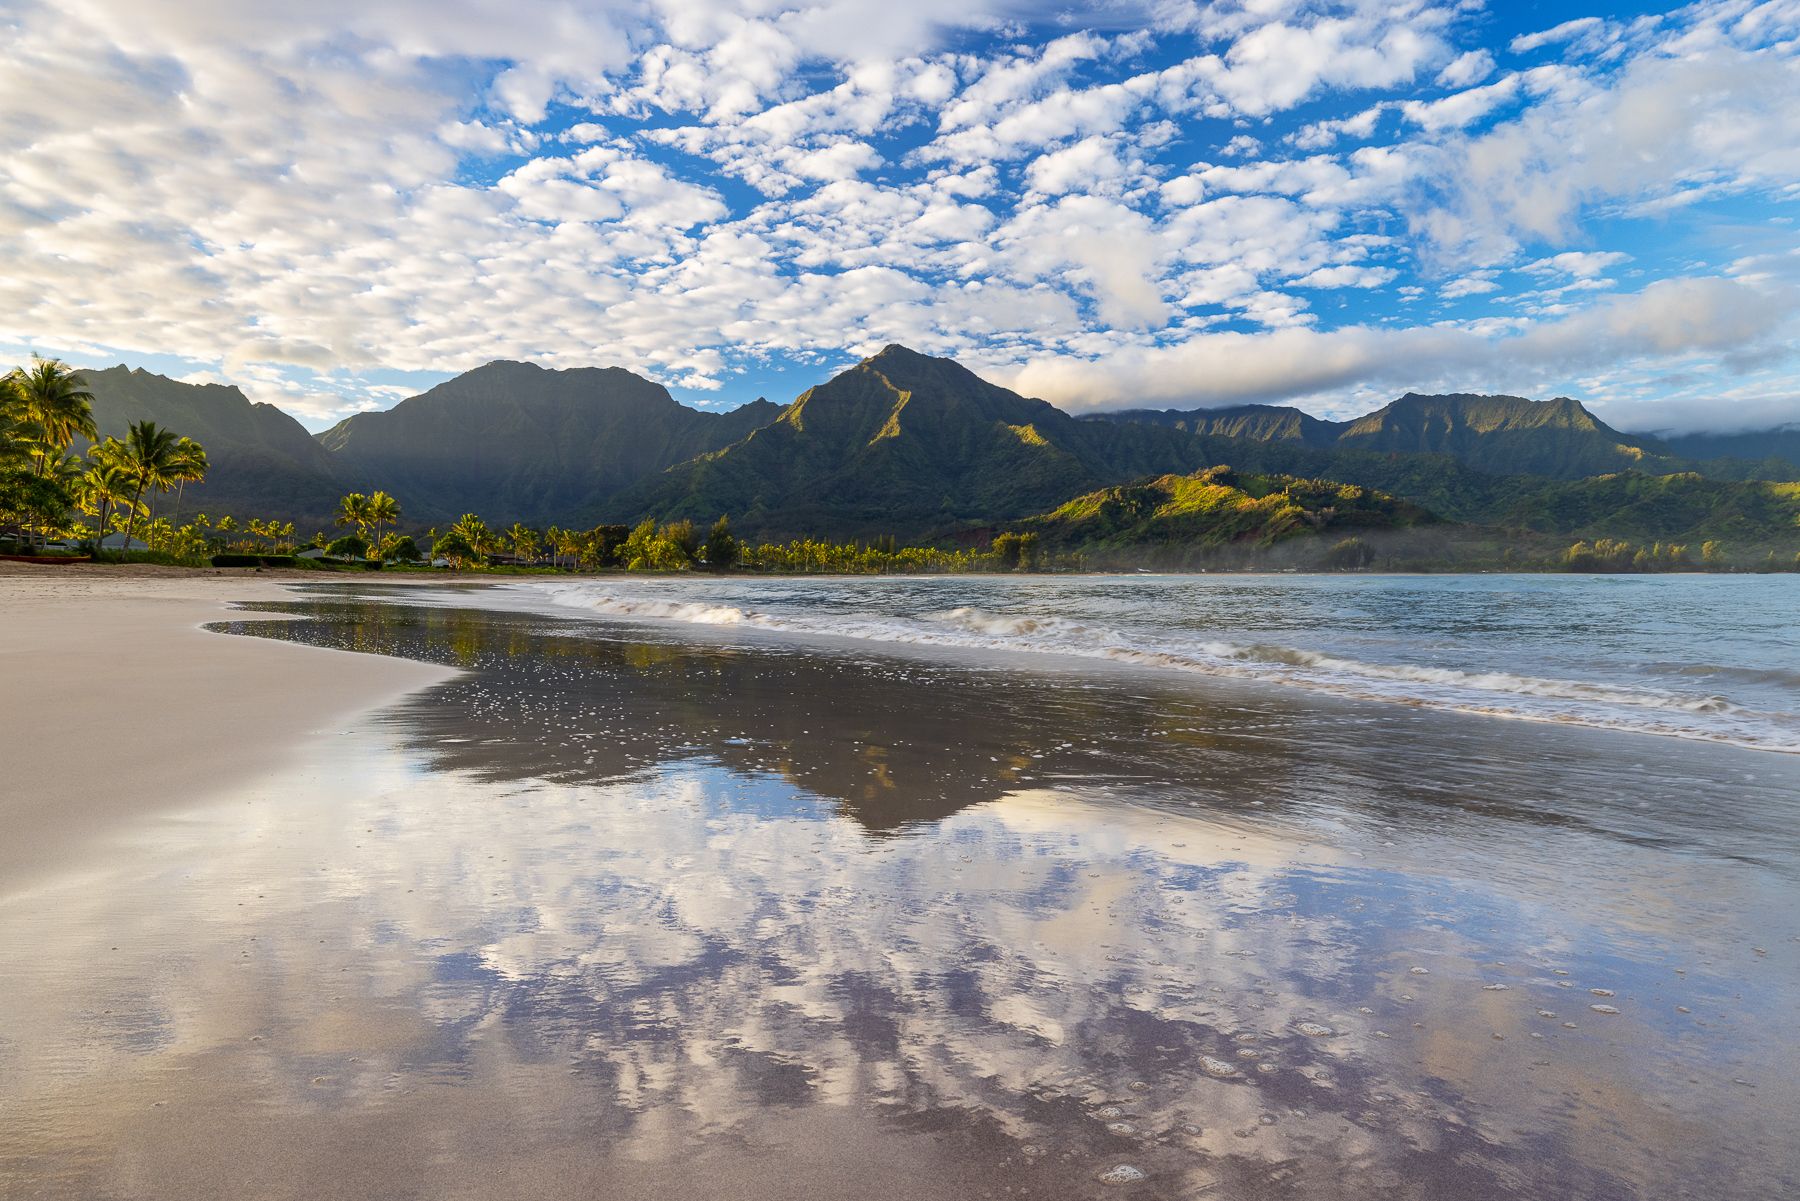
pixel 1190 1128
pixel 1601 992
pixel 1121 1128
pixel 1031 1150
pixel 1107 1113
pixel 1682 1009
pixel 1419 971
pixel 1556 971
pixel 1216 1067
pixel 1267 1069
pixel 1314 1030
pixel 1497 988
pixel 1546 1013
pixel 1124 1174
pixel 1603 1008
pixel 1138 1086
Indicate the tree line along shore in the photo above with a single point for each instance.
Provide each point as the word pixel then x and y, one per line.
pixel 67 493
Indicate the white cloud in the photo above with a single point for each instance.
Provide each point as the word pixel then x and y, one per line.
pixel 1463 108
pixel 1566 32
pixel 1667 320
pixel 1725 117
pixel 1469 67
pixel 289 194
pixel 1347 275
pixel 1583 264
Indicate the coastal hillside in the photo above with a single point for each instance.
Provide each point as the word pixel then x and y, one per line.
pixel 1680 507
pixel 1177 519
pixel 260 460
pixel 520 442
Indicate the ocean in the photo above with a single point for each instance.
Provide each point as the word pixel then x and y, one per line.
pixel 1715 658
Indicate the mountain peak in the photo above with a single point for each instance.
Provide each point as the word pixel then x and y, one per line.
pixel 893 350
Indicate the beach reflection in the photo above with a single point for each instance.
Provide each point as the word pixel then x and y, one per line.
pixel 613 916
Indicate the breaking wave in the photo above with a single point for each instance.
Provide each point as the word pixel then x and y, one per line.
pixel 1696 715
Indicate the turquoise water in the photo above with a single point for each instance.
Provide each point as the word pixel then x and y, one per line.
pixel 1702 657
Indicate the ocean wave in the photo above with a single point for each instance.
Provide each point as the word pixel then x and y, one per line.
pixel 1703 716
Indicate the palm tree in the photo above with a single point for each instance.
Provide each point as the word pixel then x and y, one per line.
pixel 190 464
pixel 382 510
pixel 150 455
pixel 105 486
pixel 475 532
pixel 57 404
pixel 16 430
pixel 524 541
pixel 354 510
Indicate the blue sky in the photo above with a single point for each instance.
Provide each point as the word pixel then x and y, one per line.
pixel 336 205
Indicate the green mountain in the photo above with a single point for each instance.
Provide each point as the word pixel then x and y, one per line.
pixel 1177 519
pixel 517 442
pixel 1255 423
pixel 261 461
pixel 1770 454
pixel 907 444
pixel 922 448
pixel 1501 435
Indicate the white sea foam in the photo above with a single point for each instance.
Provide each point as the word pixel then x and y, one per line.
pixel 1685 714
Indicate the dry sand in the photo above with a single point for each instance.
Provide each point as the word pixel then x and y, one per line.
pixel 114 702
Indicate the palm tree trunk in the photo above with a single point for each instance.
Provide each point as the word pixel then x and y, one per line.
pixel 131 517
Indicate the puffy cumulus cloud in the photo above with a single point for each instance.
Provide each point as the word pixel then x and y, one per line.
pixel 1111 253
pixel 1462 108
pixel 1710 318
pixel 1276 66
pixel 302 198
pixel 1469 67
pixel 1582 264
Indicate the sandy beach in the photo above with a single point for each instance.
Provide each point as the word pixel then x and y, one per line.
pixel 117 703
pixel 397 891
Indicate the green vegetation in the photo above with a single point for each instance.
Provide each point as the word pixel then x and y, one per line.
pixel 1219 516
pixel 900 447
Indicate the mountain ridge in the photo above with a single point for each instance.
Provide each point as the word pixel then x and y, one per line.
pixel 528 443
pixel 899 443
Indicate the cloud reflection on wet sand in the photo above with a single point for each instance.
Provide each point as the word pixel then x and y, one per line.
pixel 631 963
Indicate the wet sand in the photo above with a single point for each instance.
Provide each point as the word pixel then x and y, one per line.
pixel 117 703
pixel 625 912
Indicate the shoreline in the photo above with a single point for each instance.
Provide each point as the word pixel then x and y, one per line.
pixel 14 569
pixel 119 705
